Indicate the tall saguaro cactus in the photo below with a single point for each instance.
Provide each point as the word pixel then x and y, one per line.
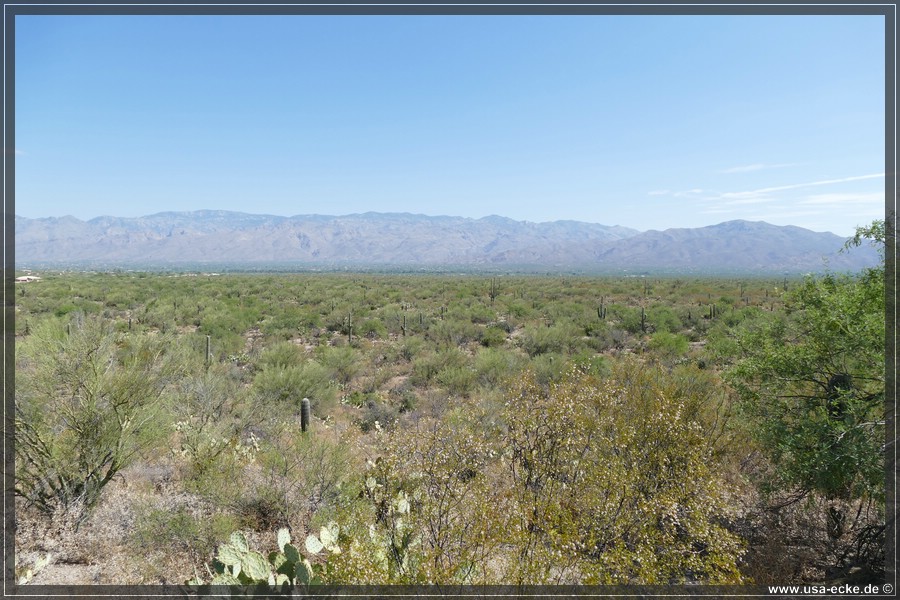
pixel 304 415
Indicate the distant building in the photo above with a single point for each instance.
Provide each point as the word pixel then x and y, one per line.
pixel 27 278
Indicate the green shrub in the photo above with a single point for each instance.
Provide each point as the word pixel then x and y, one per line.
pixel 411 347
pixel 289 321
pixel 64 310
pixel 342 362
pixel 458 380
pixel 481 315
pixel 427 366
pixel 372 329
pixel 287 386
pixel 605 474
pixel 493 337
pixel 85 409
pixel 548 367
pixel 427 511
pixel 588 362
pixel 493 367
pixel 453 332
pixel 628 317
pixel 517 309
pixel 663 318
pixel 281 354
pixel 180 531
pixel 559 339
pixel 300 475
pixel 668 345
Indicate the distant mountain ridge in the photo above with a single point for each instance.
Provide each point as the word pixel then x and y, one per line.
pixel 405 239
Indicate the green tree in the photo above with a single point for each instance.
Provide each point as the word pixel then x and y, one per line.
pixel 812 383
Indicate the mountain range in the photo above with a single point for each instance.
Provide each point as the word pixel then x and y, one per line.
pixel 213 237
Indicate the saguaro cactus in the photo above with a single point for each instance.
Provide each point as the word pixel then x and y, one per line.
pixel 304 415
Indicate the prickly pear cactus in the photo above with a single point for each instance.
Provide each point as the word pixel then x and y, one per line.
pixel 327 540
pixel 25 574
pixel 286 569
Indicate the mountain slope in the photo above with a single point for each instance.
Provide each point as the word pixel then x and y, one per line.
pixel 220 237
pixel 742 244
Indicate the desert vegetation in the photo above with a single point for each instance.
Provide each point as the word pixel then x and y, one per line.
pixel 464 428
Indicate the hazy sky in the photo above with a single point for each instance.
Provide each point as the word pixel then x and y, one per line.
pixel 644 121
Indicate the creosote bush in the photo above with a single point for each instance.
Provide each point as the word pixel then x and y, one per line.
pixel 606 474
pixel 579 481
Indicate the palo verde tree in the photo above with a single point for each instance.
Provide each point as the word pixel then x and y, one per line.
pixel 87 402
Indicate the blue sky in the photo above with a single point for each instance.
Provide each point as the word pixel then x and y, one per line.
pixel 645 121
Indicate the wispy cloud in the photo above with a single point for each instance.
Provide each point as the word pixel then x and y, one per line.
pixel 875 198
pixel 716 202
pixel 756 167
pixel 798 203
pixel 795 186
pixel 783 214
pixel 750 201
pixel 691 192
pixel 676 194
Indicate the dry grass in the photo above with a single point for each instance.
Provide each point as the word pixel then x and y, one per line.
pixel 102 549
